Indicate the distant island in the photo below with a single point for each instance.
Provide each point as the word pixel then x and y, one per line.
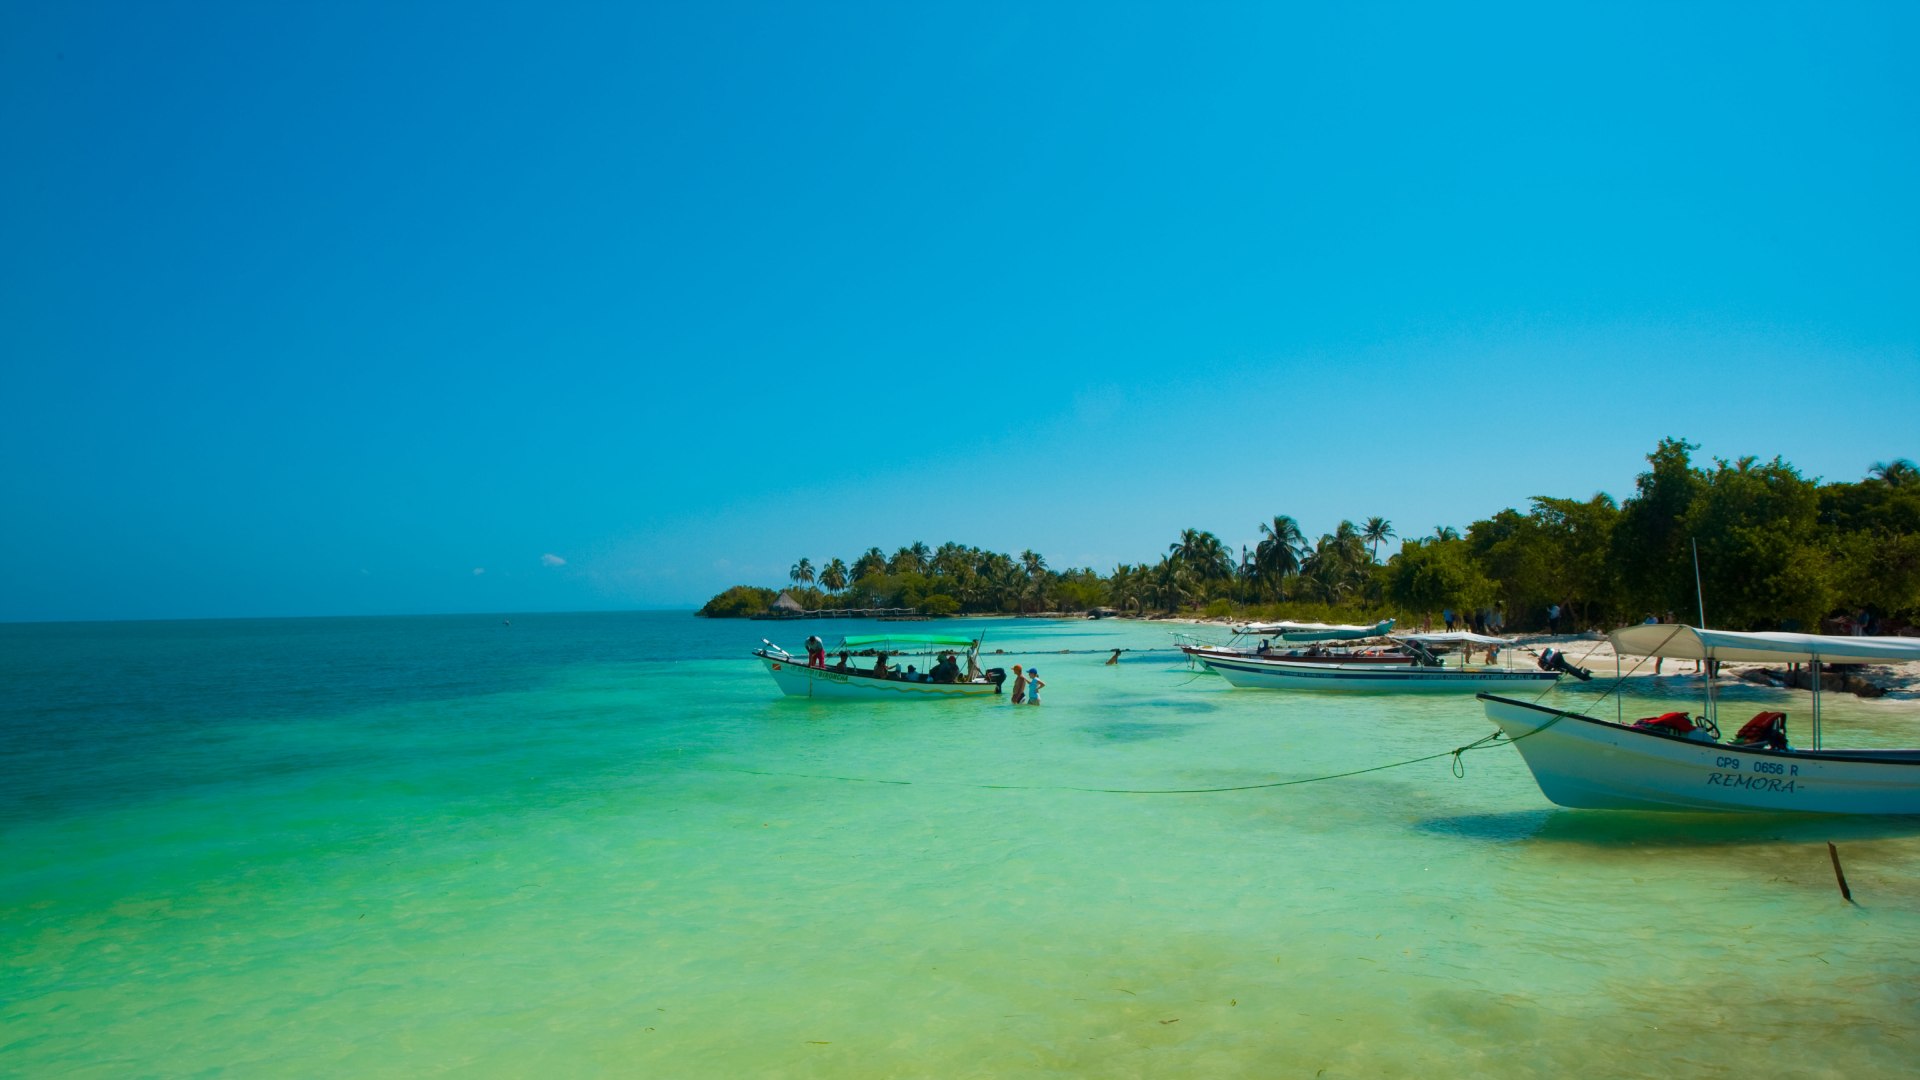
pixel 1777 551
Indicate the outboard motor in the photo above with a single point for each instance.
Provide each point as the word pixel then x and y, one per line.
pixel 1557 661
pixel 996 676
pixel 1422 655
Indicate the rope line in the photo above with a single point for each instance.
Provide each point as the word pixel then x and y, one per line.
pixel 1459 769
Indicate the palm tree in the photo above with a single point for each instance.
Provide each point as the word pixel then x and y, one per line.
pixel 1278 556
pixel 1204 552
pixel 1173 583
pixel 872 562
pixel 802 572
pixel 1126 587
pixel 1375 530
pixel 1896 473
pixel 1350 543
pixel 951 560
pixel 1445 532
pixel 1031 561
pixel 834 577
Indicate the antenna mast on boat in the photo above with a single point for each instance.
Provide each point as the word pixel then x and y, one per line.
pixel 1706 660
pixel 1699 594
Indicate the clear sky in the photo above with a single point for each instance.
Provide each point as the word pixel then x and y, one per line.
pixel 328 308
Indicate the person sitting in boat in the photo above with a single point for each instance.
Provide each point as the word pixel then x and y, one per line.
pixel 816 652
pixel 946 670
pixel 1265 648
pixel 879 665
pixel 842 665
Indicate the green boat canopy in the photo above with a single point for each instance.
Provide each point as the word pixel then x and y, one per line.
pixel 907 642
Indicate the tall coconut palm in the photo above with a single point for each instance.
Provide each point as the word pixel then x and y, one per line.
pixel 1374 531
pixel 1445 532
pixel 1278 556
pixel 1032 563
pixel 1899 472
pixel 1203 553
pixel 870 562
pixel 834 577
pixel 802 572
pixel 1174 583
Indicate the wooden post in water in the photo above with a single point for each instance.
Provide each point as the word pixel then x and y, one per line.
pixel 1834 854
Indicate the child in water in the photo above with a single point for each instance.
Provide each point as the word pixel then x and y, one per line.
pixel 1033 686
pixel 1019 685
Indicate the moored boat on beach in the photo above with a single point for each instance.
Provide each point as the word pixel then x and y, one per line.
pixel 1679 763
pixel 1417 671
pixel 872 666
pixel 1309 641
pixel 1265 674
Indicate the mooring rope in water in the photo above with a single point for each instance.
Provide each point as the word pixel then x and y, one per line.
pixel 1459 770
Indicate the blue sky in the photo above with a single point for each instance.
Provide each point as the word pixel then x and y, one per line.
pixel 320 309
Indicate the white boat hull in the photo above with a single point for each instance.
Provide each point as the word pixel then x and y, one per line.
pixel 1591 764
pixel 796 679
pixel 1372 678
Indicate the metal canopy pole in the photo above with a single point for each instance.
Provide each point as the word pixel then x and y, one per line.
pixel 1816 701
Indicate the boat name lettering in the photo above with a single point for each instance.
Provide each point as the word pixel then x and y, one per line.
pixel 1755 783
pixel 1727 763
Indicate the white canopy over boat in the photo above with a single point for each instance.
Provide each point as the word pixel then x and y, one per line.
pixel 1676 642
pixel 1455 637
pixel 1314 631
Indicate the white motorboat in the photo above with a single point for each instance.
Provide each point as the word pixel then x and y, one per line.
pixel 875 667
pixel 1419 671
pixel 1679 763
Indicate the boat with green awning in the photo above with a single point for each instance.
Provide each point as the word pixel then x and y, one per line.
pixel 883 667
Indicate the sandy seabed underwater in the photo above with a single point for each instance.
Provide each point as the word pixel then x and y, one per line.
pixel 603 844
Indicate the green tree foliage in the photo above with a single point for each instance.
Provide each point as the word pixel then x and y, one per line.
pixel 1776 549
pixel 1764 560
pixel 1651 557
pixel 1432 574
pixel 739 602
pixel 1556 554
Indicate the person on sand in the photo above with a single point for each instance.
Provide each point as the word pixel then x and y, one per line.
pixel 1553 618
pixel 1033 686
pixel 1019 685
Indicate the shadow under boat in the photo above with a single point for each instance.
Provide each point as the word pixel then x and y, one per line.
pixel 1649 829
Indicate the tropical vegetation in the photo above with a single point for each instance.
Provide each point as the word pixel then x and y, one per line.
pixel 1775 550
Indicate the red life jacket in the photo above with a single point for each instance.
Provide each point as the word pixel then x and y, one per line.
pixel 1766 729
pixel 1678 723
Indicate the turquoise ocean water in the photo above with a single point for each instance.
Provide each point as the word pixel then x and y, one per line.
pixel 603 844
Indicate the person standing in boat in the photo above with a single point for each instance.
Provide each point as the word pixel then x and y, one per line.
pixel 1019 685
pixel 816 652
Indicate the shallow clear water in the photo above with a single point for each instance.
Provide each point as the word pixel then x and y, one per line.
pixel 593 844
